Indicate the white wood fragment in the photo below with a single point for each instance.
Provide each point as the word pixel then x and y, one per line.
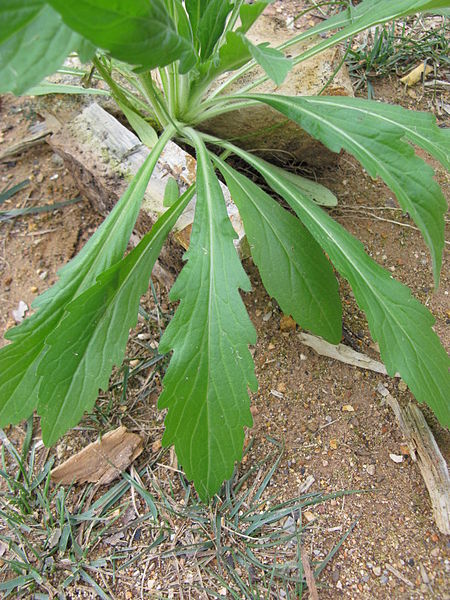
pixel 342 353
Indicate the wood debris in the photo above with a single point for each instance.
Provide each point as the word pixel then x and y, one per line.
pixel 342 353
pixel 425 451
pixel 102 461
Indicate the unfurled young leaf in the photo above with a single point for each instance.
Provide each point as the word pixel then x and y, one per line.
pixel 375 138
pixel 293 268
pixel 19 360
pixel 20 22
pixel 91 337
pixel 399 323
pixel 205 387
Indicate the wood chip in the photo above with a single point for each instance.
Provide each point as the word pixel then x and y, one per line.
pixel 102 461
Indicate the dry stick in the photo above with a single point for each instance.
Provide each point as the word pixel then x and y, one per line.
pixel 309 576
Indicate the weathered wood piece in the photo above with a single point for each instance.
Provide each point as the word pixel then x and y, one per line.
pixel 102 461
pixel 264 130
pixel 425 451
pixel 103 156
pixel 342 353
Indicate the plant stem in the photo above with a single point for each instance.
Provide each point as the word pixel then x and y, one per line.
pixel 209 113
pixel 155 100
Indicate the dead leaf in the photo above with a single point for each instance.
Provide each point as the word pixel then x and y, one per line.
pixel 417 74
pixel 102 461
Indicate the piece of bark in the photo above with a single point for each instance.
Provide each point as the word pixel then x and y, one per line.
pixel 102 461
pixel 425 452
pixel 342 353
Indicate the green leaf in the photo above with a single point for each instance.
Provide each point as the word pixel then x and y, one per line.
pixel 183 24
pixel 92 336
pixel 171 192
pixel 274 63
pixel 60 88
pixel 33 43
pixel 86 51
pixel 233 54
pixel 315 191
pixel 138 32
pixel 196 9
pixel 205 387
pixel 293 268
pixel 212 25
pixel 19 360
pixel 374 136
pixel 249 13
pixel 401 325
pixel 143 130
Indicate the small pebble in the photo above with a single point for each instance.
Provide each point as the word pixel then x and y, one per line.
pixel 33 289
pixel 397 458
pixel 348 408
pixel 287 323
pixel 384 579
pixel 371 470
pixel 43 275
pixel 376 571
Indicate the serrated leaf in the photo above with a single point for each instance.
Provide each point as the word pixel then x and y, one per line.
pixel 375 138
pixel 292 265
pixel 138 32
pixel 249 13
pixel 92 336
pixel 141 127
pixel 401 325
pixel 31 22
pixel 205 387
pixel 273 61
pixel 19 360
